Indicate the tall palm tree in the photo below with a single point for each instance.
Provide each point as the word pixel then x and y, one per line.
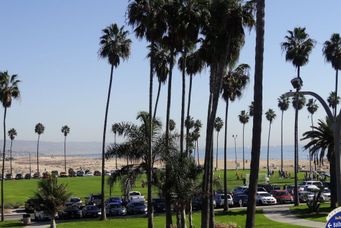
pixel 283 105
pixel 251 108
pixel 257 113
pixel 332 54
pixel 312 108
pixel 39 129
pixel 217 49
pixel 51 197
pixel 333 100
pixel 9 91
pixel 196 136
pixel 12 133
pixel 114 46
pixel 218 124
pixel 298 45
pixel 115 129
pixel 270 116
pixel 65 130
pixel 233 85
pixel 244 119
pixel 321 140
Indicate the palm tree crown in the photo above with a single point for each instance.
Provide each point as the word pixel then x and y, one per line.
pixel 218 124
pixel 333 100
pixel 283 103
pixel 270 115
pixel 235 81
pixel 299 103
pixel 312 106
pixel 9 89
pixel 39 128
pixel 114 44
pixel 65 130
pixel 12 133
pixel 298 46
pixel 244 117
pixel 332 51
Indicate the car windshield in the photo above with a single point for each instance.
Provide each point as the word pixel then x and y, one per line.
pixel 91 208
pixel 265 194
pixel 281 193
pixel 115 206
pixel 139 204
pixel 134 194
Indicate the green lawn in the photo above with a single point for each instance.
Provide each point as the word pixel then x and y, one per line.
pixel 11 224
pixel 302 211
pixel 234 217
pixel 18 191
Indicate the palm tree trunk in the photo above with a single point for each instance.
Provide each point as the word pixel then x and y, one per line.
pixel 282 141
pixel 11 157
pixel 267 153
pixel 103 214
pixel 38 155
pixel 190 214
pixel 116 153
pixel 257 119
pixel 197 147
pixel 216 153
pixel 150 155
pixel 296 199
pixel 3 168
pixel 332 181
pixel 65 153
pixel 243 147
pixel 168 168
pixel 188 110
pixel 225 158
pixel 157 100
pixel 183 215
pixel 182 123
pixel 53 223
pixel 336 86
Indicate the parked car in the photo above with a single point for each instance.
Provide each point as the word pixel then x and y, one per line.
pixel 29 206
pixel 159 205
pixel 239 189
pixel 97 173
pixel 313 182
pixel 265 198
pixel 136 207
pixel 197 202
pixel 95 199
pixel 40 215
pixel 71 211
pixel 27 176
pixel 80 173
pixel 326 194
pixel 90 211
pixel 19 176
pixel 113 209
pixel 269 187
pixel 240 200
pixel 36 175
pixel 74 201
pixel 220 198
pixel 88 173
pixel 63 174
pixel 282 196
pixel 54 173
pixel 305 196
pixel 8 176
pixel 114 199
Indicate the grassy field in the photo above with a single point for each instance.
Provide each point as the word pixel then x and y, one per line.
pixel 302 211
pixel 18 191
pixel 234 217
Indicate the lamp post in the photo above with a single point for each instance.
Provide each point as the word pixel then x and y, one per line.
pixel 235 149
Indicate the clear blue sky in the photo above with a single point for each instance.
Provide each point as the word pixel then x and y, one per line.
pixel 53 45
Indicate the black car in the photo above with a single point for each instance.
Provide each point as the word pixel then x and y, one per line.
pixel 70 212
pixel 27 176
pixel 159 205
pixel 19 176
pixel 116 208
pixel 90 211
pixel 138 207
pixel 240 200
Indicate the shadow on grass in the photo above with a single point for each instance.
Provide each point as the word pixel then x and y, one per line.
pixel 305 212
pixel 12 224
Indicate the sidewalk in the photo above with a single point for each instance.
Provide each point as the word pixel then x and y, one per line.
pixel 282 214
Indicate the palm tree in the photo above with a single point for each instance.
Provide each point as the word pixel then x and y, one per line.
pixel 297 46
pixel 196 136
pixel 270 116
pixel 115 46
pixel 12 133
pixel 218 124
pixel 115 129
pixel 256 114
pixel 333 100
pixel 251 108
pixel 233 85
pixel 51 197
pixel 283 104
pixel 244 119
pixel 312 108
pixel 322 139
pixel 219 47
pixel 65 130
pixel 39 129
pixel 9 91
pixel 332 54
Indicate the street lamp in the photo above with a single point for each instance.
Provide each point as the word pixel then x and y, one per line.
pixel 235 149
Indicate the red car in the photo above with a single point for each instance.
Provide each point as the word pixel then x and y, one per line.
pixel 282 196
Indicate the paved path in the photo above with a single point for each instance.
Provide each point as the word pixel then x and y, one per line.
pixel 282 214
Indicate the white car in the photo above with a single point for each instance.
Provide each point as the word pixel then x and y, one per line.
pixel 133 194
pixel 265 198
pixel 326 194
pixel 220 199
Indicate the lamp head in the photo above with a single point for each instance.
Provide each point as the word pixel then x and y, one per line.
pixel 297 83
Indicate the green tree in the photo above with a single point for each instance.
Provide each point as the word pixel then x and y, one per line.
pixel 270 116
pixel 65 130
pixel 256 114
pixel 218 124
pixel 51 197
pixel 298 46
pixel 321 141
pixel 114 46
pixel 283 105
pixel 12 133
pixel 9 91
pixel 332 54
pixel 244 119
pixel 39 129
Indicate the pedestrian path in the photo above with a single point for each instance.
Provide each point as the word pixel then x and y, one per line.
pixel 282 214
